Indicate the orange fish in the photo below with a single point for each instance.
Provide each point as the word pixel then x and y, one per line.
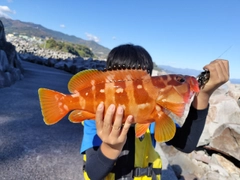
pixel 148 99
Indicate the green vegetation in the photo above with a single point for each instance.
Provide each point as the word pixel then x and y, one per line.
pixel 75 49
pixel 36 30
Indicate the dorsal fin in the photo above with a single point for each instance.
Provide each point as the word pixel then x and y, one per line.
pixel 79 80
pixel 83 78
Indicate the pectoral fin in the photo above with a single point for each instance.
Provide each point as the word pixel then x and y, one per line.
pixel 77 116
pixel 165 128
pixel 140 129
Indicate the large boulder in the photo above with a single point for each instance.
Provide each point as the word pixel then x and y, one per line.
pixel 226 139
pixel 223 110
pixel 11 69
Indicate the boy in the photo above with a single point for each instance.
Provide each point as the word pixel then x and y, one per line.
pixel 111 152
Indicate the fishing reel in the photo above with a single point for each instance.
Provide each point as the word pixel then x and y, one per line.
pixel 203 78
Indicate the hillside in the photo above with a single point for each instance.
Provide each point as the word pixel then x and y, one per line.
pixel 31 29
pixel 37 30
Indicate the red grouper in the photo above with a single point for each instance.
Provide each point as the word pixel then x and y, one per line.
pixel 148 99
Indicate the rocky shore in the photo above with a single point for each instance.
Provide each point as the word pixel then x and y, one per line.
pixel 218 152
pixel 14 50
pixel 29 50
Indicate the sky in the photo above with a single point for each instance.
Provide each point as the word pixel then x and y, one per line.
pixel 179 33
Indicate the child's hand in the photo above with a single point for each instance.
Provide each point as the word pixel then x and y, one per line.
pixel 111 131
pixel 219 74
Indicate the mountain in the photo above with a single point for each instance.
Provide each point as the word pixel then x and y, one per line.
pixel 187 71
pixel 37 30
pixel 235 81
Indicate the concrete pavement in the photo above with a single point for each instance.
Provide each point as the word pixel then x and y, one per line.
pixel 29 149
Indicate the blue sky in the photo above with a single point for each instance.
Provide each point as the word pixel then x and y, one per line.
pixel 179 33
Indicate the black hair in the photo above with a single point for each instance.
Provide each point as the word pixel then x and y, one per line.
pixel 129 56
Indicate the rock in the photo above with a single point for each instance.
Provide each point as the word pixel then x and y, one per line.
pixel 223 109
pixel 234 90
pixel 183 161
pixel 5 79
pixel 4 65
pixel 218 152
pixel 167 170
pixel 224 167
pixel 31 52
pixel 26 46
pixel 10 63
pixel 226 139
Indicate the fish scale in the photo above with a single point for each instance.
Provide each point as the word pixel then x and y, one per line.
pixel 148 99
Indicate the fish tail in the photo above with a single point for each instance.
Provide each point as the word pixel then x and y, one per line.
pixel 52 105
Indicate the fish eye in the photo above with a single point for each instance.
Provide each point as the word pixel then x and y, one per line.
pixel 180 79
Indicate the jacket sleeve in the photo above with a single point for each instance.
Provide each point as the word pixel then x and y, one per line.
pixel 97 166
pixel 187 136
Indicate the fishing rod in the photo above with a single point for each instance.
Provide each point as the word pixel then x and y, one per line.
pixel 204 76
pixel 225 51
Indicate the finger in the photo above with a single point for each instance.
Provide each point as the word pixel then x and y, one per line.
pixel 225 67
pixel 222 71
pixel 108 119
pixel 213 68
pixel 126 127
pixel 99 116
pixel 117 125
pixel 219 72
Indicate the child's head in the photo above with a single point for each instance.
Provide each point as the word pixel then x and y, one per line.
pixel 130 55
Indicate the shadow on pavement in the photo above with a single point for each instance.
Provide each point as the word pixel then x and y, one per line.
pixel 29 149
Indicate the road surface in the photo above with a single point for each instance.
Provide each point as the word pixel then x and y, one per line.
pixel 29 149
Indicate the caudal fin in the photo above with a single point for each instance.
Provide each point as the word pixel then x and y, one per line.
pixel 52 105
